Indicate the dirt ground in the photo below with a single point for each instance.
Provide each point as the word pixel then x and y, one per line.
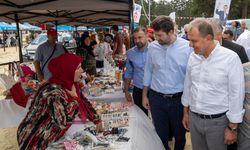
pixel 8 135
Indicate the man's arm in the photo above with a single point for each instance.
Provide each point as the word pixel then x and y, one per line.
pixel 126 89
pixel 186 96
pixel 38 58
pixel 145 100
pixel 236 90
pixel 147 80
pixel 128 76
pixel 39 72
pixel 217 9
pixel 114 48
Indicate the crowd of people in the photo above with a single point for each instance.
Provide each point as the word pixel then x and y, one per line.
pixel 193 83
pixel 196 83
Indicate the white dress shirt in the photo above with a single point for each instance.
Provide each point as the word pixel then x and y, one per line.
pixel 244 39
pixel 215 84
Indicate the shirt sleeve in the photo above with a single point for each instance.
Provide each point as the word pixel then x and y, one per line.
pixel 129 68
pixel 61 111
pixel 148 69
pixel 91 113
pixel 187 85
pixel 243 55
pixel 236 87
pixel 38 55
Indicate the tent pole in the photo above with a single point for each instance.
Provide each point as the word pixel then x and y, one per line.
pixel 4 42
pixel 18 37
pixel 56 23
pixel 131 20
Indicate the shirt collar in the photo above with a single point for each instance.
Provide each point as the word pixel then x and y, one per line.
pixel 145 49
pixel 213 51
pixel 170 45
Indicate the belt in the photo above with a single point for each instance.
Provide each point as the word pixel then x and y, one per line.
pixel 175 95
pixel 209 116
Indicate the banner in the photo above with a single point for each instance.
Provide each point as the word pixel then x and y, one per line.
pixel 137 13
pixel 221 10
pixel 172 16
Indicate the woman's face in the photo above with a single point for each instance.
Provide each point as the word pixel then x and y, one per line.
pixel 87 41
pixel 78 73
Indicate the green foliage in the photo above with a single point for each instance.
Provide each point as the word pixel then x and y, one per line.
pixel 192 8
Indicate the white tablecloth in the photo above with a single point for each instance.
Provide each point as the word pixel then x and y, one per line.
pixel 11 114
pixel 140 131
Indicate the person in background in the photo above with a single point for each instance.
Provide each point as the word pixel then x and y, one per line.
pixel 56 105
pixel 45 52
pixel 126 40
pixel 217 29
pixel 93 41
pixel 164 73
pixel 118 42
pixel 235 29
pixel 244 128
pixel 87 53
pixel 150 32
pixel 186 28
pixel 213 90
pixel 244 39
pixel 242 28
pixel 228 35
pixel 24 88
pixel 108 38
pixel 136 58
pixel 99 51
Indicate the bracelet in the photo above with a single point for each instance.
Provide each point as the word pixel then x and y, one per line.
pixel 232 129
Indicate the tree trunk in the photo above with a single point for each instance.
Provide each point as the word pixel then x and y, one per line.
pixel 244 9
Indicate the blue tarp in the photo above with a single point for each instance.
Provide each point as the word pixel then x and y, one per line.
pixel 32 27
pixel 21 26
pixel 6 26
pixel 64 28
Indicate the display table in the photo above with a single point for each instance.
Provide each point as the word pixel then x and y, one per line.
pixel 117 96
pixel 140 131
pixel 11 114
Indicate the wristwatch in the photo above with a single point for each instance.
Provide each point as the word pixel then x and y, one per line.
pixel 232 129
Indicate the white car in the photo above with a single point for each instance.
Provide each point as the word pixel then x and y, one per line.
pixel 66 39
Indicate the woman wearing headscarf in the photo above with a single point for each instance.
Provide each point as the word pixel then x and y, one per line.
pixel 56 105
pixel 86 52
pixel 24 88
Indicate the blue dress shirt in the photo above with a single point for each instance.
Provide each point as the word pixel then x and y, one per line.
pixel 165 67
pixel 135 65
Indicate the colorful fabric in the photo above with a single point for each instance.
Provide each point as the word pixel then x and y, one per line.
pixel 49 117
pixel 53 110
pixel 63 73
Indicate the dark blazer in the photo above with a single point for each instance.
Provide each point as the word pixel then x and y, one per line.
pixel 240 50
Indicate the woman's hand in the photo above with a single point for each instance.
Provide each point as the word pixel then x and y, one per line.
pixel 99 127
pixel 72 92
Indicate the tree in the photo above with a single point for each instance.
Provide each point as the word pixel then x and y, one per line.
pixel 192 8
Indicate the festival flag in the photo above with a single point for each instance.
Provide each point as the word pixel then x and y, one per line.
pixel 137 13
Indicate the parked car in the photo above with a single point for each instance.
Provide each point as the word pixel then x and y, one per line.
pixel 66 39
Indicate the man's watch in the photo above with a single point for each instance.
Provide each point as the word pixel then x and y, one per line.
pixel 232 129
